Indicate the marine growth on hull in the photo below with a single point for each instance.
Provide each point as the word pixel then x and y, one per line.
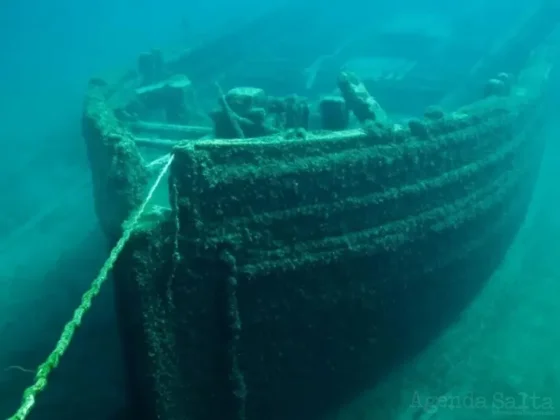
pixel 299 231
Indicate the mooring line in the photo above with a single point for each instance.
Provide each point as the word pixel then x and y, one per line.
pixel 52 361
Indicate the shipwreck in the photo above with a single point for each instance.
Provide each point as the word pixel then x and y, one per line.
pixel 307 243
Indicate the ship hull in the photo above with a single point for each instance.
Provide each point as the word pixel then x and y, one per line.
pixel 294 271
pixel 291 275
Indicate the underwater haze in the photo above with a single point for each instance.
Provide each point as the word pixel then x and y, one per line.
pixel 374 235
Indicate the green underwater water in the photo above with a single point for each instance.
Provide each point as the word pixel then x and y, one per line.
pixel 499 360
